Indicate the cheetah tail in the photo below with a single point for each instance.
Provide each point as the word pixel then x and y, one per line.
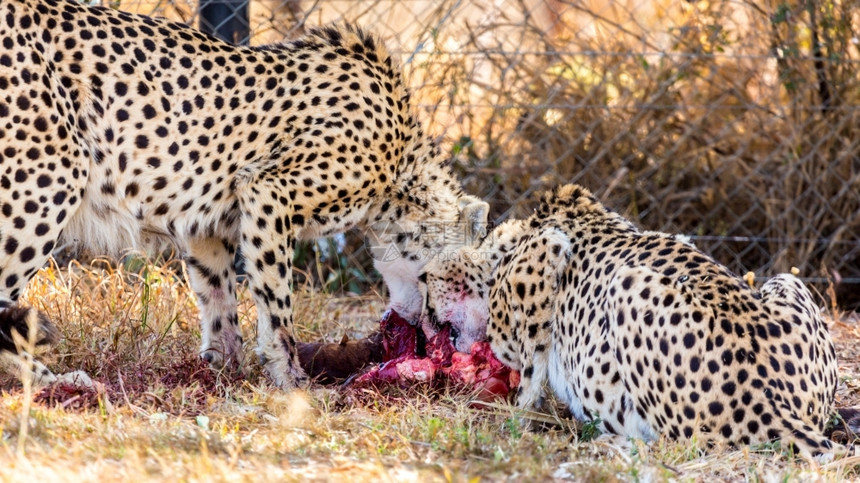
pixel 847 428
pixel 811 443
pixel 15 325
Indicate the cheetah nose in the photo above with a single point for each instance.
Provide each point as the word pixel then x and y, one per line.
pixel 208 357
pixel 454 334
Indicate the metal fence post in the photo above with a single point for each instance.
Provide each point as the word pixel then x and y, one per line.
pixel 226 19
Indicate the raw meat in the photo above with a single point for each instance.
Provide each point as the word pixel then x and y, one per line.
pixel 407 361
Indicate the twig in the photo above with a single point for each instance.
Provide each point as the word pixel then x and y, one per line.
pixel 27 375
pixel 534 416
pixel 133 407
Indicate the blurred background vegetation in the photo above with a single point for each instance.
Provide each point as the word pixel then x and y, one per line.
pixel 735 122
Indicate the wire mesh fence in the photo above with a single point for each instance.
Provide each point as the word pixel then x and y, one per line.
pixel 733 122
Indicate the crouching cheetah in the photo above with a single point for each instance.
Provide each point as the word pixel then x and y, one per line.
pixel 640 329
pixel 117 129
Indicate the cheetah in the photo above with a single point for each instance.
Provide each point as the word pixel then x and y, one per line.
pixel 119 131
pixel 639 329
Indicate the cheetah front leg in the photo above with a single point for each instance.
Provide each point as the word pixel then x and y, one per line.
pixel 267 246
pixel 534 357
pixel 531 282
pixel 213 278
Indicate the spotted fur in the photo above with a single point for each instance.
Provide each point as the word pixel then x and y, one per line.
pixel 641 329
pixel 117 130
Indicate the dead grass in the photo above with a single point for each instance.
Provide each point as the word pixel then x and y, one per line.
pixel 158 414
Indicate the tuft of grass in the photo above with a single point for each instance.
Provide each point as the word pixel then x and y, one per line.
pixel 591 429
pixel 158 413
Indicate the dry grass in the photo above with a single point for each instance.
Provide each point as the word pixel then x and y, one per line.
pixel 158 414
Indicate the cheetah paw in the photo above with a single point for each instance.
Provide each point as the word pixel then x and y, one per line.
pixel 76 378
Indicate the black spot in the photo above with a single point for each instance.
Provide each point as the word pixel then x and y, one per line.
pixel 40 124
pixel 269 257
pixel 27 254
pixel 23 103
pixel 695 364
pixel 752 426
pixel 11 245
pixel 715 408
pixel 11 281
pixel 689 340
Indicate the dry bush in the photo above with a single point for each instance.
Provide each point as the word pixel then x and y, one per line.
pixel 734 124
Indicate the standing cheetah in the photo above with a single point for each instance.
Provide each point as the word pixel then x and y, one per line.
pixel 640 329
pixel 116 129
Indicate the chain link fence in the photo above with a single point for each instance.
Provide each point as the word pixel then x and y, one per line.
pixel 735 122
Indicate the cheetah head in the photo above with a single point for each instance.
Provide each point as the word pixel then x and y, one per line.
pixel 429 217
pixel 455 292
pixel 455 288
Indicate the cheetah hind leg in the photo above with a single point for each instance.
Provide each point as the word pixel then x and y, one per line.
pixel 641 321
pixel 676 313
pixel 213 278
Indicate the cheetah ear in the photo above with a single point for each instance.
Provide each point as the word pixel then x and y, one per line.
pixel 473 214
